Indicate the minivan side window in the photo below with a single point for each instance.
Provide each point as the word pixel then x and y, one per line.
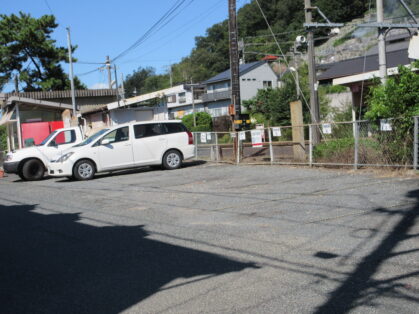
pixel 64 137
pixel 118 135
pixel 174 128
pixel 147 130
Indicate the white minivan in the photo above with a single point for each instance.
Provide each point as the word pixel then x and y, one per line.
pixel 165 143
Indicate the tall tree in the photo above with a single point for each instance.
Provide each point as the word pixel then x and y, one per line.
pixel 134 83
pixel 27 49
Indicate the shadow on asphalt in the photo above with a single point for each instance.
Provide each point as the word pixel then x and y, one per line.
pixel 359 287
pixel 186 164
pixel 55 264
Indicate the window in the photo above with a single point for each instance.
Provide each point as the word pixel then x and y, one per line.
pixel 182 98
pixel 267 84
pixel 147 130
pixel 171 98
pixel 174 128
pixel 64 137
pixel 118 135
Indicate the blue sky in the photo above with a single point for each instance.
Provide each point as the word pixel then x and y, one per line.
pixel 102 28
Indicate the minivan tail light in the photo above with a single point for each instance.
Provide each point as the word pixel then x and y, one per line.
pixel 190 138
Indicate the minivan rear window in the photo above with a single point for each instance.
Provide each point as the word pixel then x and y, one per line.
pixel 147 130
pixel 174 128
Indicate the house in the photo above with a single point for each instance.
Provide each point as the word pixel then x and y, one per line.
pixel 253 76
pixel 31 116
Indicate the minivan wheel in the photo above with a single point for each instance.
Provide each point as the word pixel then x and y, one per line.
pixel 32 170
pixel 172 160
pixel 84 170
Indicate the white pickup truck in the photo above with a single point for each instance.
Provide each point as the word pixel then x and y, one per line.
pixel 31 163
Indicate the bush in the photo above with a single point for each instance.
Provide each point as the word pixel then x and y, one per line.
pixel 203 122
pixel 342 151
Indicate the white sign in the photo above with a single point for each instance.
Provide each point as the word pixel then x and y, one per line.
pixel 209 136
pixel 256 138
pixel 242 136
pixel 276 131
pixel 327 128
pixel 233 135
pixel 385 125
pixel 413 50
pixel 203 137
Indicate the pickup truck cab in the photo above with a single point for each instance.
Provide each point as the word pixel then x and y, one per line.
pixel 31 163
pixel 125 146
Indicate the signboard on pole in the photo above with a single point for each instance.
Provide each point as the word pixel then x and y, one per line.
pixel 242 136
pixel 276 131
pixel 327 128
pixel 203 137
pixel 385 125
pixel 256 138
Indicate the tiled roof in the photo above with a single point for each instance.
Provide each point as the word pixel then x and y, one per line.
pixel 243 69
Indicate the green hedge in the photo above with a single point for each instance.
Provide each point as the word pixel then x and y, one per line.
pixel 203 122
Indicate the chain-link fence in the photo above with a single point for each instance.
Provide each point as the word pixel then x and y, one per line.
pixel 391 142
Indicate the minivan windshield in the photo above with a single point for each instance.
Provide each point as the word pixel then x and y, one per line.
pixel 92 138
pixel 47 138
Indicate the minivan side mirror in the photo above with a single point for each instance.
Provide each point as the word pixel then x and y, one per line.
pixel 105 141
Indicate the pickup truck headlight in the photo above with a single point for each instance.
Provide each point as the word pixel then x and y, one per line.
pixel 64 157
pixel 9 157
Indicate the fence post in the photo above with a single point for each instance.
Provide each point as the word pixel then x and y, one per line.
pixel 237 139
pixel 196 145
pixel 310 145
pixel 416 144
pixel 216 146
pixel 271 153
pixel 356 134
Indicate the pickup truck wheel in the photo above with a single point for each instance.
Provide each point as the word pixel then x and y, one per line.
pixel 32 170
pixel 84 170
pixel 172 160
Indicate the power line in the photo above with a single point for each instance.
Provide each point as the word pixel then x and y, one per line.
pixel 172 35
pixel 89 72
pixel 47 4
pixel 157 25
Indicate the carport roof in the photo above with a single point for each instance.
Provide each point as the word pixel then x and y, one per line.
pixel 356 65
pixel 37 102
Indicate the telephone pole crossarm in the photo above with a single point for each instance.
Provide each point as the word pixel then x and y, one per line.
pixel 317 25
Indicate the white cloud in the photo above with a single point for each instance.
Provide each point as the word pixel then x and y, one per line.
pixel 99 86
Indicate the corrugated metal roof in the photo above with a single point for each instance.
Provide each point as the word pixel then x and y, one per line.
pixel 243 69
pixel 64 93
pixel 356 65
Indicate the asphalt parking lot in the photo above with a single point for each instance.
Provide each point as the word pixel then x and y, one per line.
pixel 211 238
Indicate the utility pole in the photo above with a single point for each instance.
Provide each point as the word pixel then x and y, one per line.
pixel 170 75
pixel 234 60
pixel 116 84
pixel 193 105
pixel 17 83
pixel 108 68
pixel 314 102
pixel 382 60
pixel 70 60
pixel 122 86
pixel 297 79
